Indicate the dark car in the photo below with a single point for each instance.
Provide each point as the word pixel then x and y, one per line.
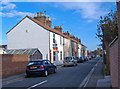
pixel 43 67
pixel 78 59
pixel 90 57
pixel 81 59
pixel 85 58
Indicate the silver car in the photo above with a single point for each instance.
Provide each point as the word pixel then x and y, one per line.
pixel 70 61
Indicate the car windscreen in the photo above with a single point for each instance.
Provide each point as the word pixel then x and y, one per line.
pixel 68 58
pixel 34 63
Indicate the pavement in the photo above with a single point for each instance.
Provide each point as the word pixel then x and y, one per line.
pixel 86 75
pixel 18 77
pixel 98 79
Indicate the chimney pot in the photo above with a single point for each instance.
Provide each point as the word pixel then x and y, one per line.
pixel 43 14
pixel 40 13
pixel 37 14
pixel 48 18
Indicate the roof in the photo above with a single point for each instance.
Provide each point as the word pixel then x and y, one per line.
pixel 21 51
pixel 48 28
pixel 3 46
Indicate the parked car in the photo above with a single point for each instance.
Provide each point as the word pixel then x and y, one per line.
pixel 69 61
pixel 43 67
pixel 90 57
pixel 85 58
pixel 80 59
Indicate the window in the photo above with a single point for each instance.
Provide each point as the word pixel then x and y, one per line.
pixel 53 37
pixel 60 40
pixel 49 62
pixel 65 42
pixel 60 55
pixel 45 62
pixel 54 56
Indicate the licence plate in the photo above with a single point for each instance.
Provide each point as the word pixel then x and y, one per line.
pixel 33 67
pixel 67 61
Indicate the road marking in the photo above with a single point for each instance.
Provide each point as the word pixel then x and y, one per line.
pixel 85 81
pixel 37 84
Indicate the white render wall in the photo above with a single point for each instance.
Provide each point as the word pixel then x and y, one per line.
pixel 58 61
pixel 85 51
pixel 28 34
pixel 1 51
pixel 79 50
pixel 82 51
pixel 67 48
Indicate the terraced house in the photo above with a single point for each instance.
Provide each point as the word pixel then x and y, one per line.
pixel 37 33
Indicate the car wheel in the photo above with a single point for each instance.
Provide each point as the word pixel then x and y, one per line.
pixel 76 64
pixel 55 70
pixel 28 75
pixel 46 73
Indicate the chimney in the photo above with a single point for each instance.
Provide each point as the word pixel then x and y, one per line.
pixel 68 33
pixel 79 40
pixel 58 28
pixel 41 18
pixel 76 38
pixel 61 29
pixel 48 22
pixel 72 36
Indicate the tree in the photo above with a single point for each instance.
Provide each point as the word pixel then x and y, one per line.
pixel 107 30
pixel 108 27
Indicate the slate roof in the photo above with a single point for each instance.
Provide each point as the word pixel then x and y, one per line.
pixel 30 51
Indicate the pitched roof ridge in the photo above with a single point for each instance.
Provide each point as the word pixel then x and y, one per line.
pixel 53 30
pixel 48 28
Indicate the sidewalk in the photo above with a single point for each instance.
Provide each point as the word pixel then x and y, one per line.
pixel 14 78
pixel 97 79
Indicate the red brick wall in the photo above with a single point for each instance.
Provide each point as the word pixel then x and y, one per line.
pixel 13 64
pixel 114 63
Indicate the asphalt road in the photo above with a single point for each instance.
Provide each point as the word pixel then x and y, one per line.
pixel 65 77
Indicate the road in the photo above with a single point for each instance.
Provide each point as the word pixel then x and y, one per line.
pixel 65 77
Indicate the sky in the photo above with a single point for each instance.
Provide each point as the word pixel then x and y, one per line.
pixel 79 18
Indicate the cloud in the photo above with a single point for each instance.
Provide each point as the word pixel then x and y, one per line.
pixel 14 13
pixel 6 5
pixel 86 10
pixel 89 21
pixel 8 10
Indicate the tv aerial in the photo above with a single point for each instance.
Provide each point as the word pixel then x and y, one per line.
pixel 44 10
